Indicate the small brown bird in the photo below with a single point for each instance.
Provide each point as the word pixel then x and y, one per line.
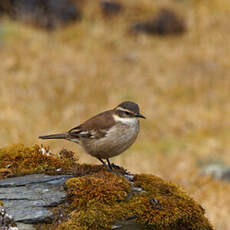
pixel 107 134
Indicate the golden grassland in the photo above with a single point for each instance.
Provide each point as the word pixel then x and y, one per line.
pixel 52 81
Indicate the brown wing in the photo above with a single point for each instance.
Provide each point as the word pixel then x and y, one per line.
pixel 95 127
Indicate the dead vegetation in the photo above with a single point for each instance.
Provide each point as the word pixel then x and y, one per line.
pixel 53 81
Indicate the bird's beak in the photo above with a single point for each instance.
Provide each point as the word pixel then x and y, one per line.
pixel 140 116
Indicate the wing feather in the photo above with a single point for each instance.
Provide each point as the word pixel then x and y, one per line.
pixel 95 127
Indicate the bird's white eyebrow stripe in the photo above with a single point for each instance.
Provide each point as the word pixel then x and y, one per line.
pixel 125 110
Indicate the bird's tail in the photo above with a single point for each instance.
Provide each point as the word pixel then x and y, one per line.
pixel 56 136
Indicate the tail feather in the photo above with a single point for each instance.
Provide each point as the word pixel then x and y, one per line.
pixel 56 136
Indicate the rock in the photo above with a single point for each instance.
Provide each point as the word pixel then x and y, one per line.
pixel 128 224
pixel 106 200
pixel 226 175
pixel 31 160
pixel 1 12
pixel 218 171
pixel 110 8
pixel 32 179
pixel 48 14
pixel 6 220
pixel 22 226
pixel 164 23
pixel 26 198
pixel 94 198
pixel 31 215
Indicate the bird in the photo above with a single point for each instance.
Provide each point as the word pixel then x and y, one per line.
pixel 106 134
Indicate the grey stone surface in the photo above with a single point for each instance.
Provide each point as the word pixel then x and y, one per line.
pixel 226 175
pixel 46 194
pixel 34 178
pixel 6 220
pixel 128 224
pixel 30 215
pixel 27 198
pixel 218 171
pixel 22 226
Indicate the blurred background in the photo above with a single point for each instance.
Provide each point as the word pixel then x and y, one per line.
pixel 63 61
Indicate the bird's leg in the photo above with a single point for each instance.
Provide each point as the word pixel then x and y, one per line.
pixel 110 166
pixel 102 161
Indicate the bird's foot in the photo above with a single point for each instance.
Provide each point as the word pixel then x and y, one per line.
pixel 116 166
pixel 108 168
pixel 119 171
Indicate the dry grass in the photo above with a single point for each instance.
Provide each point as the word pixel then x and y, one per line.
pixel 51 82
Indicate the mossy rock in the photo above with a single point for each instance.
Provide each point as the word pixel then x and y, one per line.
pixel 100 200
pixel 18 160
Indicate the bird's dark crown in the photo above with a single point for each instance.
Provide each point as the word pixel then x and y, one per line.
pixel 130 106
pixel 128 109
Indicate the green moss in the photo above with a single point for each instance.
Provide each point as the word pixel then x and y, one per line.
pixel 17 160
pixel 99 200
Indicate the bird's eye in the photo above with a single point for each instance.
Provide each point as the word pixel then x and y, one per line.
pixel 125 114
